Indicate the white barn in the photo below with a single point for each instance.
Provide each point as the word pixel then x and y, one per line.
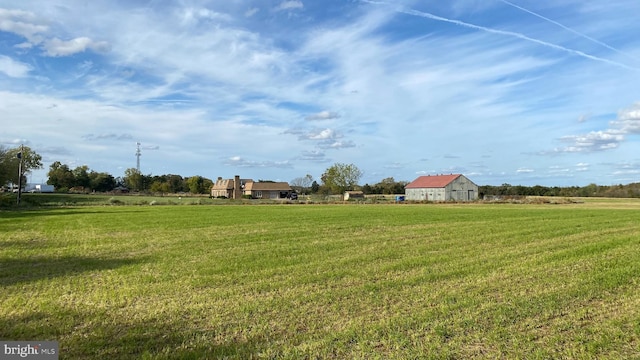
pixel 454 187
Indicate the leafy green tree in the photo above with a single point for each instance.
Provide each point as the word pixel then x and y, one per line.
pixel 206 186
pixel 196 184
pixel 368 189
pixel 81 177
pixel 341 177
pixel 101 181
pixel 133 179
pixel 158 186
pixel 60 176
pixel 4 168
pixel 10 164
pixel 315 187
pixel 176 184
pixel 390 186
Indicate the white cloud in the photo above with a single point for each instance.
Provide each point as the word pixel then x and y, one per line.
pixel 12 68
pixel 22 23
pixel 251 12
pixel 593 141
pixel 582 167
pixel 193 16
pixel 108 136
pixel 322 134
pixel 629 120
pixel 558 169
pixel 290 5
pixel 323 115
pixel 336 144
pixel 313 155
pixel 324 138
pixel 524 171
pixel 395 165
pixel 237 161
pixel 56 47
pixel 584 117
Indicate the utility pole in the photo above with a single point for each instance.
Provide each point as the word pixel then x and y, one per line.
pixel 20 156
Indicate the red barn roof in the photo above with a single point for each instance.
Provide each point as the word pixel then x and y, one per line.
pixel 432 181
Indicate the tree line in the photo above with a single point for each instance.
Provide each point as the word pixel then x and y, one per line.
pixel 592 190
pixel 336 179
pixel 82 179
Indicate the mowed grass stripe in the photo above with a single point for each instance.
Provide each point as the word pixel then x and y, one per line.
pixel 329 281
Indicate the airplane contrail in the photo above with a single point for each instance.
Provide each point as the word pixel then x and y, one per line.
pixel 503 32
pixel 567 28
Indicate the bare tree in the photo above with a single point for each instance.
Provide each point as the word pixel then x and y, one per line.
pixel 302 185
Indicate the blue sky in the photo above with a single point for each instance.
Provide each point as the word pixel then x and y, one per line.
pixel 520 92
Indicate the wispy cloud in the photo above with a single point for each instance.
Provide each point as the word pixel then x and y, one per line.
pixel 13 68
pixel 523 170
pixel 111 136
pixel 336 144
pixel 251 12
pixel 323 115
pixel 567 28
pixel 57 47
pixel 505 33
pixel 314 156
pixel 583 118
pixel 582 167
pixel 238 161
pixel 192 16
pixel 290 5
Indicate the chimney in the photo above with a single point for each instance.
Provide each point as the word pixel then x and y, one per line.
pixel 237 187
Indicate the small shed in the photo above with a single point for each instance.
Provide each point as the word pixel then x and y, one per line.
pixel 454 187
pixel 352 195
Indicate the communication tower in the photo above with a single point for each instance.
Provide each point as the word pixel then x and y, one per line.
pixel 138 154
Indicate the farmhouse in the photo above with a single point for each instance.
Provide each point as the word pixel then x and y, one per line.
pixel 235 188
pixel 454 187
pixel 228 188
pixel 267 190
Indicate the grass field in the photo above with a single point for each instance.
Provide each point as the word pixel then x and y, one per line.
pixel 325 281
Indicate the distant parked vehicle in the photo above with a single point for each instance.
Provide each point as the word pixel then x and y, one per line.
pixel 293 196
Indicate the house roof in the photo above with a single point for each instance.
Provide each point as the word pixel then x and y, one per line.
pixel 223 184
pixel 267 186
pixel 432 181
pixel 227 184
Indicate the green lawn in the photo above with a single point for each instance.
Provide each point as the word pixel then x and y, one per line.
pixel 325 281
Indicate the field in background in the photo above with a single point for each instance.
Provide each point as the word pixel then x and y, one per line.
pixel 325 281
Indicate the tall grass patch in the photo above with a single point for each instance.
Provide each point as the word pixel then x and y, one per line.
pixel 328 281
